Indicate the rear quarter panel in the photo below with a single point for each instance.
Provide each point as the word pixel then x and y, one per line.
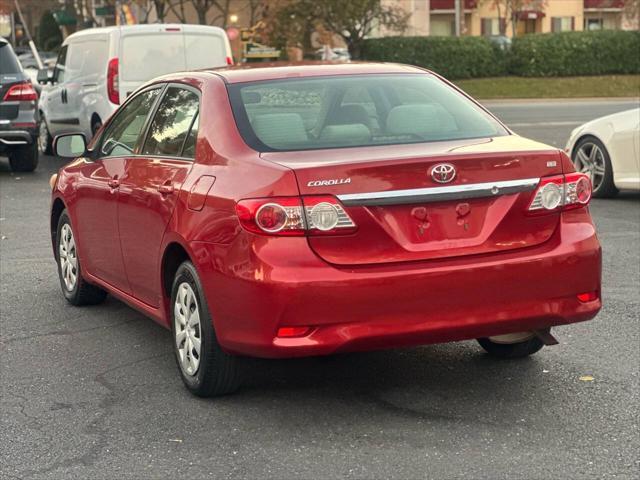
pixel 213 237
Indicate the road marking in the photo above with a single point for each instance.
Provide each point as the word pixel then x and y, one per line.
pixel 547 124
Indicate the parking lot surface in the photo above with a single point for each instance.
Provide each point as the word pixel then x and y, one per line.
pixel 94 392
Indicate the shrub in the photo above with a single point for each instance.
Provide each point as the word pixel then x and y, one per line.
pixel 576 53
pixel 451 57
pixel 534 55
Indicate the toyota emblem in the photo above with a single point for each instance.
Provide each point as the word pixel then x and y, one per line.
pixel 443 173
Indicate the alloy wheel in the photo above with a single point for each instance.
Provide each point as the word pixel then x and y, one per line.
pixel 68 257
pixel 188 333
pixel 589 159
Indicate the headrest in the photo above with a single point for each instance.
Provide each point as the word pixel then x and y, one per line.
pixel 355 133
pixel 419 119
pixel 279 129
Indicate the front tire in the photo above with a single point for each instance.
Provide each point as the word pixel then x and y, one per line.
pixel 205 368
pixel 75 289
pixel 45 141
pixel 590 156
pixel 514 345
pixel 24 159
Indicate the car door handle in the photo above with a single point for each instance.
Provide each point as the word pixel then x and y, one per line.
pixel 113 182
pixel 166 188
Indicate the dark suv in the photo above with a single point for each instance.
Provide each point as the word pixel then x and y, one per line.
pixel 18 113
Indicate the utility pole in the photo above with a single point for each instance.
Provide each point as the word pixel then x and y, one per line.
pixel 458 16
pixel 32 45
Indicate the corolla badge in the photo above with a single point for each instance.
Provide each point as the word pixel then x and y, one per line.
pixel 443 173
pixel 324 183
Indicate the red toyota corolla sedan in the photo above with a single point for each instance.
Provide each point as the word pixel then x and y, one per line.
pixel 299 210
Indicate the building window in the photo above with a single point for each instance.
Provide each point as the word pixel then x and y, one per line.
pixel 593 24
pixel 442 25
pixel 490 26
pixel 562 24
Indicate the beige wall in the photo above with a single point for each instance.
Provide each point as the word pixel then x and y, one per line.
pixel 563 8
pixel 425 22
pixel 553 8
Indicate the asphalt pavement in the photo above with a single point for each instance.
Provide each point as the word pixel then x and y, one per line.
pixel 94 392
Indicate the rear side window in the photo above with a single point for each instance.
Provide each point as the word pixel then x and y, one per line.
pixel 88 58
pixel 8 61
pixel 355 110
pixel 171 126
pixel 124 130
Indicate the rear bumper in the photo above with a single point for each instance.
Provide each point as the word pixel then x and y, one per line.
pixel 281 282
pixel 17 138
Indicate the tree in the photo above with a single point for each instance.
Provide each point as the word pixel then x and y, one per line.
pixel 49 35
pixel 631 11
pixel 508 10
pixel 147 6
pixel 353 20
pixel 202 8
pixel 288 25
pixel 177 7
pixel 256 9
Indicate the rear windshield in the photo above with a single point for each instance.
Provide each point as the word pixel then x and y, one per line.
pixel 355 110
pixel 147 56
pixel 8 61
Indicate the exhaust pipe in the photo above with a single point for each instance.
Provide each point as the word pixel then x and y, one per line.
pixel 546 337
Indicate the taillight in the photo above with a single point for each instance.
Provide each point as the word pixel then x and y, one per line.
pixel 561 192
pixel 113 83
pixel 21 92
pixel 229 61
pixel 295 216
pixel 577 190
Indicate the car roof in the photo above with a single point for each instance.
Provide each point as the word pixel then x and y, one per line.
pixel 279 70
pixel 153 27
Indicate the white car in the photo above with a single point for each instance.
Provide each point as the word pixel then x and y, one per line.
pixel 98 68
pixel 608 149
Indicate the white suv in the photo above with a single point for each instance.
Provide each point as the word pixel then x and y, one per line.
pixel 98 68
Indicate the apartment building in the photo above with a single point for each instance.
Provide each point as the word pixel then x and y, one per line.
pixel 488 17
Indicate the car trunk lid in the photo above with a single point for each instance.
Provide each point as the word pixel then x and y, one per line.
pixel 403 214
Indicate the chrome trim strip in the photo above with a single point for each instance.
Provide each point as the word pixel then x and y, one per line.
pixel 439 194
pixel 13 142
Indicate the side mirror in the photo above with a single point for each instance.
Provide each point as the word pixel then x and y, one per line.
pixel 71 145
pixel 44 76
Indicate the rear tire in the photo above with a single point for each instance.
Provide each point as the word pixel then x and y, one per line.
pixel 516 349
pixel 75 289
pixel 24 159
pixel 205 368
pixel 96 124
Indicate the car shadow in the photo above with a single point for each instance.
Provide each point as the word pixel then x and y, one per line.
pixel 444 382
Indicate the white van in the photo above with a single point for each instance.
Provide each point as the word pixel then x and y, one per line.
pixel 98 68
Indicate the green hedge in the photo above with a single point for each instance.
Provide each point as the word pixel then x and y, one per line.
pixel 535 55
pixel 452 57
pixel 576 53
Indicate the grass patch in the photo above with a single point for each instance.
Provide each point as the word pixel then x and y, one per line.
pixel 552 87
